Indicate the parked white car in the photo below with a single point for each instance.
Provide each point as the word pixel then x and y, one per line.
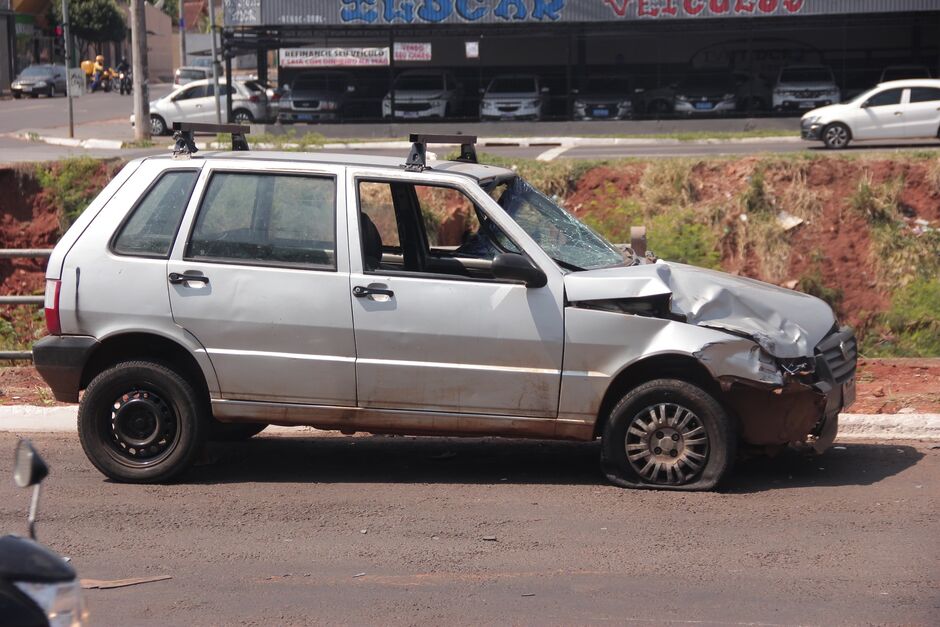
pixel 423 94
pixel 895 110
pixel 805 87
pixel 195 102
pixel 514 97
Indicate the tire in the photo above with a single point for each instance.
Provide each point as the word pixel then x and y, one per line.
pixel 34 94
pixel 660 107
pixel 241 116
pixel 17 95
pixel 689 439
pixel 157 125
pixel 836 136
pixel 234 431
pixel 141 422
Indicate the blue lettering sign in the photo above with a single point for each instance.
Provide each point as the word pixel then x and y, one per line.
pixel 436 10
pixel 405 14
pixel 464 10
pixel 550 9
pixel 502 9
pixel 358 11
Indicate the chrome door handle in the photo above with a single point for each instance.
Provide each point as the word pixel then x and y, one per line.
pixel 361 292
pixel 898 113
pixel 178 279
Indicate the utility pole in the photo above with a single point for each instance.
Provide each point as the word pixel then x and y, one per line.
pixel 68 64
pixel 215 64
pixel 182 18
pixel 139 48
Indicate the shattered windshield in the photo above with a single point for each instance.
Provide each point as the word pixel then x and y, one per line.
pixel 571 244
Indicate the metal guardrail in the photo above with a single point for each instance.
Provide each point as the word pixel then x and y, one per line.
pixel 19 253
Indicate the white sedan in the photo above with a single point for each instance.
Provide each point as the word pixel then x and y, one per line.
pixel 908 109
pixel 195 102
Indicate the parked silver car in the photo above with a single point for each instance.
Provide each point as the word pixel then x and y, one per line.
pixel 805 87
pixel 208 296
pixel 316 97
pixel 423 94
pixel 196 102
pixel 514 97
pixel 36 80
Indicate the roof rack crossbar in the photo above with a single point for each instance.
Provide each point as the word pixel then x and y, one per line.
pixel 186 145
pixel 417 156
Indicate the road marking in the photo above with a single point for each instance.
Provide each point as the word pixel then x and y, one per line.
pixel 551 153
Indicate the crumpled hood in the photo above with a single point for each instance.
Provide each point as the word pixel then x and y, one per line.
pixel 785 323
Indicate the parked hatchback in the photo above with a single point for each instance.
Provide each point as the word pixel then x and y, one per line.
pixel 208 296
pixel 196 102
pixel 514 97
pixel 423 94
pixel 36 80
pixel 907 109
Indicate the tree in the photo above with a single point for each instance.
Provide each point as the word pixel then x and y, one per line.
pixel 94 21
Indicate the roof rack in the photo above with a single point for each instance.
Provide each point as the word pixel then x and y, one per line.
pixel 417 156
pixel 185 145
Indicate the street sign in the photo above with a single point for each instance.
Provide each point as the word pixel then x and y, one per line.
pixel 76 81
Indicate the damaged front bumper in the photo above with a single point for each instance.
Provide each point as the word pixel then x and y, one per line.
pixel 788 401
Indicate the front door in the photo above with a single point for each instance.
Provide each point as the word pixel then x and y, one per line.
pixel 257 277
pixel 882 117
pixel 434 330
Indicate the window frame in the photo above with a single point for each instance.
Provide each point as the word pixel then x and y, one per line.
pixel 368 178
pixel 910 98
pixel 185 255
pixel 867 104
pixel 140 199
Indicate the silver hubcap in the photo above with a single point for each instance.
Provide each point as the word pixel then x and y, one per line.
pixel 837 136
pixel 156 126
pixel 241 118
pixel 666 444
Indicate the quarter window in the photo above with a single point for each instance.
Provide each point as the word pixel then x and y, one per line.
pixel 925 94
pixel 886 98
pixel 153 222
pixel 268 219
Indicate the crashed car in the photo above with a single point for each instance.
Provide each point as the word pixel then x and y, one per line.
pixel 206 296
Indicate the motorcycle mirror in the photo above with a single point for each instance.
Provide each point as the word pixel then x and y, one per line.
pixel 29 468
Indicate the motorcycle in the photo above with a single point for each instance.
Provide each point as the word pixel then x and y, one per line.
pixel 37 586
pixel 104 82
pixel 125 83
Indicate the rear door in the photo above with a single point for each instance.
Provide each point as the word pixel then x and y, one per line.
pixel 922 111
pixel 258 278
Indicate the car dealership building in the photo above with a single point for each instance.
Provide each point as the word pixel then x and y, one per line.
pixel 644 47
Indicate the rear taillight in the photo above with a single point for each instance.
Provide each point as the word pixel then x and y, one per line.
pixel 275 97
pixel 53 324
pixel 253 98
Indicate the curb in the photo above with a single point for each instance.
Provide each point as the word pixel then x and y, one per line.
pixel 100 144
pixel 62 418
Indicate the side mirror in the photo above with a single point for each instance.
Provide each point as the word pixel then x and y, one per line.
pixel 29 468
pixel 865 105
pixel 515 267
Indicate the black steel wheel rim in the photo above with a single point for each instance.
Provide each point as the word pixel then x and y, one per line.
pixel 667 444
pixel 143 429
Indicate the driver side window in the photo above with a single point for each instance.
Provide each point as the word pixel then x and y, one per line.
pixel 885 98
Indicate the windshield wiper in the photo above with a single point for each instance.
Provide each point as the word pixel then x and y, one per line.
pixel 567 266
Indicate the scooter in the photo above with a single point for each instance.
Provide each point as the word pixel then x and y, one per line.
pixel 37 586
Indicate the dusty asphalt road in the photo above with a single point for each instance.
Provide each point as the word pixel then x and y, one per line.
pixel 270 532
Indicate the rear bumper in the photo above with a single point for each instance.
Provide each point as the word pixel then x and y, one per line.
pixel 60 360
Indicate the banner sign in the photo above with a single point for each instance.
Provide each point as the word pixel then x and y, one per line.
pixel 333 57
pixel 388 12
pixel 412 51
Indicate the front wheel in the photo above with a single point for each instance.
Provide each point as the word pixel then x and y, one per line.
pixel 242 117
pixel 157 126
pixel 668 434
pixel 141 422
pixel 836 136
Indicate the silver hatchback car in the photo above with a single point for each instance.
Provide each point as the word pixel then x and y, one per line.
pixel 208 296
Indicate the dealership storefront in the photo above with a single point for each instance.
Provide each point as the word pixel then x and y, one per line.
pixel 644 47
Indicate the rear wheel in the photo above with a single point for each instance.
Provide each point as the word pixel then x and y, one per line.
pixel 241 116
pixel 836 136
pixel 668 434
pixel 141 422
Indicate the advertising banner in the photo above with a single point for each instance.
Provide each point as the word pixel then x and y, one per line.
pixel 333 57
pixel 412 51
pixel 389 12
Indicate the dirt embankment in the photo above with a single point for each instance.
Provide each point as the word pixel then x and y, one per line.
pixel 27 220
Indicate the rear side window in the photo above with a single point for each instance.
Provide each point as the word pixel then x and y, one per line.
pixel 925 94
pixel 152 225
pixel 267 219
